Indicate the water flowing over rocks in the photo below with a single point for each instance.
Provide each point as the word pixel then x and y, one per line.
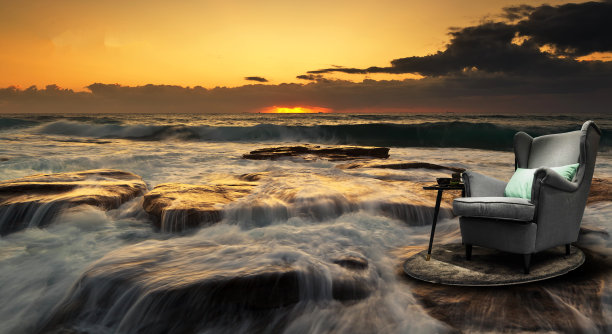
pixel 601 190
pixel 321 197
pixel 34 201
pixel 259 199
pixel 187 285
pixel 176 206
pixel 311 152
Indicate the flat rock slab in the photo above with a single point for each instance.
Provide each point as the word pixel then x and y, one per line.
pixel 35 200
pixel 398 164
pixel 186 285
pixel 322 197
pixel 309 151
pixel 177 206
pixel 488 267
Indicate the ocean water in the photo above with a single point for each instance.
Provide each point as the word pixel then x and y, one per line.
pixel 299 213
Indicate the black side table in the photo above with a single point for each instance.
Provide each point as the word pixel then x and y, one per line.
pixel 440 190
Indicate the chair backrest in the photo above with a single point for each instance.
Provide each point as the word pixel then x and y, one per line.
pixel 560 149
pixel 555 150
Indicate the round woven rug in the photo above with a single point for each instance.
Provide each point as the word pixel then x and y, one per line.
pixel 489 267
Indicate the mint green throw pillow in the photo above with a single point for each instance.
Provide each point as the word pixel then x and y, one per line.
pixel 521 182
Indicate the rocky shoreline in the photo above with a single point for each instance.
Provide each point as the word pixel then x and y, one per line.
pixel 312 152
pixel 173 207
pixel 34 201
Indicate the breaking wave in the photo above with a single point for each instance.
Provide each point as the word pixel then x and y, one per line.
pixel 433 134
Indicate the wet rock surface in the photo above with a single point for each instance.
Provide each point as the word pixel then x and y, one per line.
pixel 183 286
pixel 352 262
pixel 311 152
pixel 35 200
pixel 601 190
pixel 398 164
pixel 326 197
pixel 589 229
pixel 259 199
pixel 177 206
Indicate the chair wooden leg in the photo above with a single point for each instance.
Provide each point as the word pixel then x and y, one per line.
pixel 567 249
pixel 526 263
pixel 468 252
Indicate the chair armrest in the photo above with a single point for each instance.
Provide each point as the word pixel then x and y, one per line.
pixel 547 176
pixel 559 206
pixel 480 185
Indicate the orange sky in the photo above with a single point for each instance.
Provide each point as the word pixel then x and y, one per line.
pixel 217 43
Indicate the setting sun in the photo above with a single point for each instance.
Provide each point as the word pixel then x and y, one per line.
pixel 295 110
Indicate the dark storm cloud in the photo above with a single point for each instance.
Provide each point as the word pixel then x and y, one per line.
pixel 258 79
pixel 517 12
pixel 487 47
pixel 573 29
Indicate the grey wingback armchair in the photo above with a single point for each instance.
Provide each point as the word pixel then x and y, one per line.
pixel 551 217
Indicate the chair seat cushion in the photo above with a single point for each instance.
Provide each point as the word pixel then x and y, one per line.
pixel 511 208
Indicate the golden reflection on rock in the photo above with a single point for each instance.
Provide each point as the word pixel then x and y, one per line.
pixel 176 206
pixel 35 200
pixel 320 197
pixel 273 195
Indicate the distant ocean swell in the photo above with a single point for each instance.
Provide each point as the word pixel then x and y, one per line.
pixel 8 123
pixel 432 134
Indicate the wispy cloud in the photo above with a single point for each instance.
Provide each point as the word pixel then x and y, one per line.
pixel 258 79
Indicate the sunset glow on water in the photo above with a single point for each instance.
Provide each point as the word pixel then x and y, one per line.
pixel 296 110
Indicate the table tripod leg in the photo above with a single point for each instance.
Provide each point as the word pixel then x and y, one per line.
pixel 433 225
